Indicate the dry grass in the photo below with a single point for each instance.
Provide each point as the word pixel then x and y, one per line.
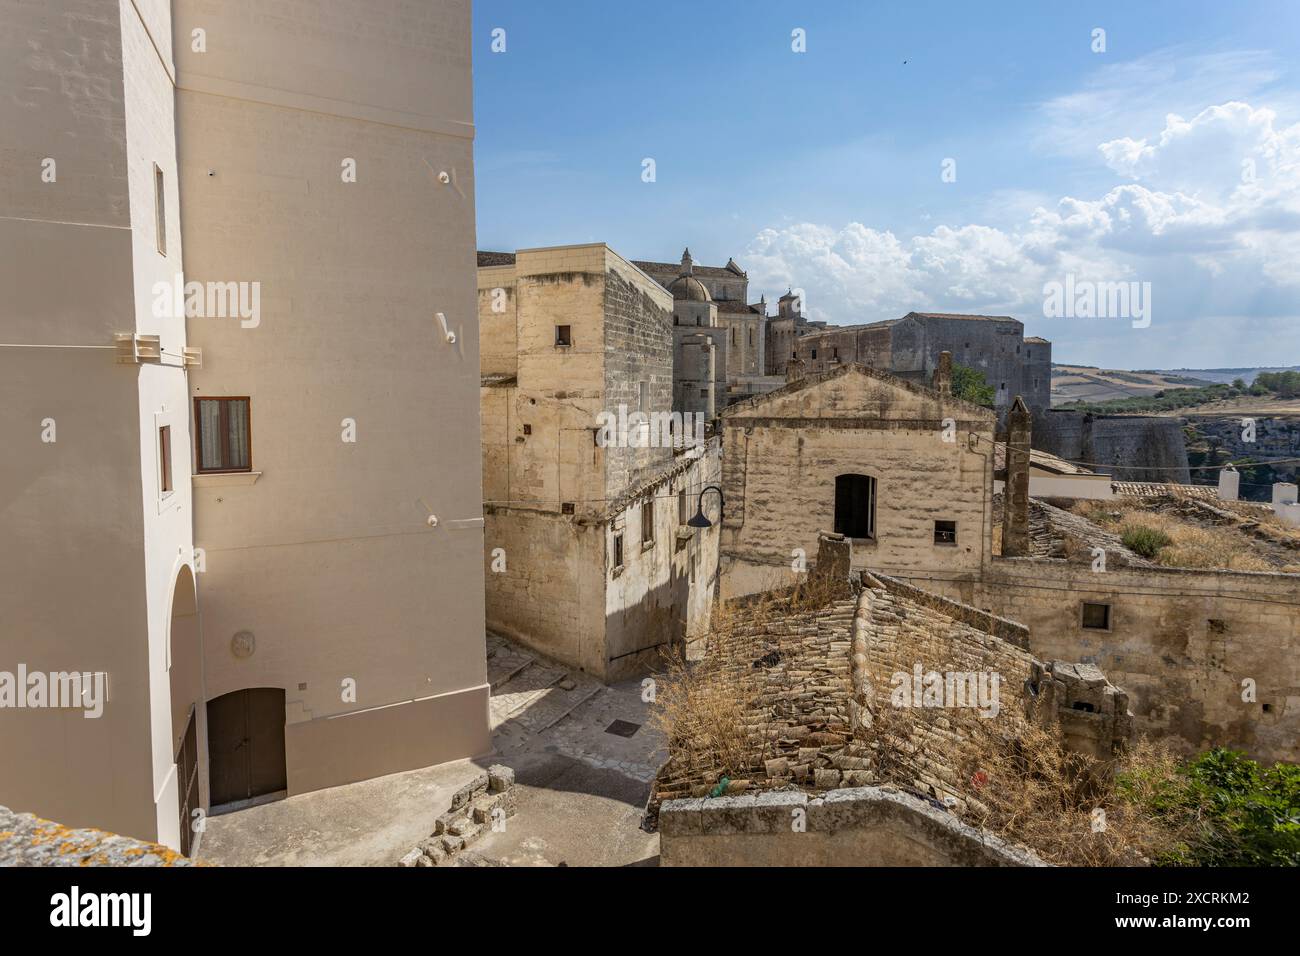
pixel 1029 790
pixel 1191 545
pixel 704 709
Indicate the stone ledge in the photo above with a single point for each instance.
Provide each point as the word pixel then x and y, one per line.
pixel 28 840
pixel 853 808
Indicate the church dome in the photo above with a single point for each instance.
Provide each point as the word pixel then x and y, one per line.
pixel 689 288
pixel 686 286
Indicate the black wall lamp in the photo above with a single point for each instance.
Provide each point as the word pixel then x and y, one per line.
pixel 699 521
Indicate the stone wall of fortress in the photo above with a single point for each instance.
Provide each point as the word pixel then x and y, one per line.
pixel 1130 447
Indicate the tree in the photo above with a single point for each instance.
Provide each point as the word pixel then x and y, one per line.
pixel 969 384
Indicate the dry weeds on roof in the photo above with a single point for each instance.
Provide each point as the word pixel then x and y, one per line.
pixel 785 699
pixel 1200 535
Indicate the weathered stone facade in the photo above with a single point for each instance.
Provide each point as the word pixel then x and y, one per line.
pixel 910 347
pixel 588 557
pixel 930 458
pixel 1128 447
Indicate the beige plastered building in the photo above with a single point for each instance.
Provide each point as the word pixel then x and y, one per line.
pixel 293 601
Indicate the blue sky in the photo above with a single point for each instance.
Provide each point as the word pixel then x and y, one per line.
pixel 1173 157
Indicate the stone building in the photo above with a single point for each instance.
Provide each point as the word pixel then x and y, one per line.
pixel 1206 655
pixel 590 558
pixel 717 297
pixel 828 732
pixel 910 347
pixel 341 632
pixel 903 469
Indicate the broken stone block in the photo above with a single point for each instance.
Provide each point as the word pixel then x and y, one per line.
pixel 500 778
pixel 433 849
pixel 460 826
pixel 777 768
pixel 452 843
pixel 424 861
pixel 411 859
pixel 468 792
pixel 471 834
pixel 440 825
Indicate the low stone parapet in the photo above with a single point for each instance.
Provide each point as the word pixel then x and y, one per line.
pixel 857 826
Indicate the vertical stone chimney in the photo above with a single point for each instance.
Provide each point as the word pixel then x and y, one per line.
pixel 1015 496
pixel 942 380
pixel 794 370
pixel 1229 484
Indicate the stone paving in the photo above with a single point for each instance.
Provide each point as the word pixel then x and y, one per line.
pixel 581 790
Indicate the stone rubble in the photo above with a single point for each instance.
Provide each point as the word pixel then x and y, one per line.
pixel 472 813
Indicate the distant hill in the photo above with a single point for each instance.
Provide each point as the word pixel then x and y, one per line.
pixel 1087 383
pixel 1084 383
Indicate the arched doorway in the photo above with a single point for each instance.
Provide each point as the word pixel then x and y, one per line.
pixel 246 744
pixel 185 676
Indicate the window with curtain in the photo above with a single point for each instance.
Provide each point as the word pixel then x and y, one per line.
pixel 221 434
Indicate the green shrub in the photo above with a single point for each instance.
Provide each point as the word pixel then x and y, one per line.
pixel 1232 811
pixel 1144 541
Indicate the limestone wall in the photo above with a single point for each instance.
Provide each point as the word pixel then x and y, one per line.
pixel 782 453
pixel 1181 643
pixel 1128 447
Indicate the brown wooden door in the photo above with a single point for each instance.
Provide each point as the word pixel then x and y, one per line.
pixel 187 770
pixel 246 744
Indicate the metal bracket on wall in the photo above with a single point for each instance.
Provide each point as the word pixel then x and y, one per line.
pixel 134 348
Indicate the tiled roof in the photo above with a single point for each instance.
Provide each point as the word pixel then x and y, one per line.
pixel 735 305
pixel 957 315
pixel 1039 459
pixel 1144 489
pixel 496 258
pixel 720 272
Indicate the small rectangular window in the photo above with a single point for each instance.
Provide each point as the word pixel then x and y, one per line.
pixel 165 458
pixel 643 396
pixel 566 508
pixel 648 522
pixel 160 209
pixel 682 515
pixel 528 429
pixel 814 353
pixel 945 532
pixel 563 335
pixel 618 550
pixel 1096 617
pixel 222 437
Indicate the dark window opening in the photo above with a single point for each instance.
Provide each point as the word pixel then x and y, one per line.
pixel 618 550
pixel 563 335
pixel 566 508
pixel 855 506
pixel 648 522
pixel 1084 706
pixel 160 209
pixel 221 434
pixel 945 532
pixel 528 429
pixel 1096 616
pixel 165 458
